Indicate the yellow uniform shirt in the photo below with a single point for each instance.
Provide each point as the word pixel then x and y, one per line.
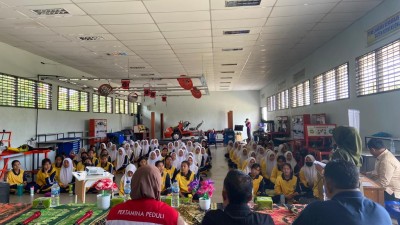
pixel 263 165
pixel 285 187
pixel 80 167
pixel 42 176
pixel 256 184
pixel 170 171
pixel 95 161
pixel 58 170
pixel 303 179
pixel 275 174
pixel 14 179
pixel 183 183
pixel 163 178
pixel 109 167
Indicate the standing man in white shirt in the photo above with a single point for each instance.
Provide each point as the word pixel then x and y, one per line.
pixel 387 169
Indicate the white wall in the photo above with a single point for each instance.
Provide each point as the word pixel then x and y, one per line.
pixel 211 108
pixel 378 112
pixel 22 121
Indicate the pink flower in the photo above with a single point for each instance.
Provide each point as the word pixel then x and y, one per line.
pixel 105 184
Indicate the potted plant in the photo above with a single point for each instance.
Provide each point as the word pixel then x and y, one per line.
pixel 204 190
pixel 104 199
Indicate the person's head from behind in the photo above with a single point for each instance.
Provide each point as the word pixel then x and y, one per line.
pixel 238 188
pixel 340 175
pixel 376 146
pixel 255 170
pixel 146 183
pixel 104 159
pixel 280 161
pixel 160 166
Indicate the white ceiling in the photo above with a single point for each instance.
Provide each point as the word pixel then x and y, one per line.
pixel 174 37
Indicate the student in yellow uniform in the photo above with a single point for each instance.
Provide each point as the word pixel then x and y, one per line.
pixel 129 171
pixel 92 157
pixel 286 185
pixel 309 177
pixel 105 164
pixel 16 176
pixel 169 168
pixel 66 178
pixel 58 162
pixel 165 179
pixel 258 180
pixel 45 177
pixel 277 171
pixel 105 152
pixel 184 177
pixel 80 166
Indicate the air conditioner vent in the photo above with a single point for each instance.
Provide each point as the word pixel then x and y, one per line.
pixel 50 12
pixel 242 3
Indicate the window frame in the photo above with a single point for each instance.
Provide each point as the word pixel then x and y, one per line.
pixel 68 100
pixel 99 104
pixel 295 96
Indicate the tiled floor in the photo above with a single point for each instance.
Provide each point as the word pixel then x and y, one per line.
pixel 218 173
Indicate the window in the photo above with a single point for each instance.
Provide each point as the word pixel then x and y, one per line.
pixel 271 103
pixel 133 108
pixel 379 71
pixel 300 94
pixel 264 115
pixel 121 106
pixel 332 85
pixel 102 104
pixel 283 100
pixel 73 100
pixel 20 92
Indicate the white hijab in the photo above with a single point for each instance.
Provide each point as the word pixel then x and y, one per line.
pixel 159 157
pixel 170 147
pixel 109 144
pixel 193 167
pixel 205 155
pixel 152 161
pixel 198 157
pixel 145 147
pixel 113 153
pixel 136 150
pixel 120 158
pixel 180 158
pixel 128 150
pixel 176 146
pixel 176 162
pixel 260 156
pixel 131 168
pixel 247 169
pixel 270 164
pixel 66 173
pixel 310 172
pixel 229 147
pixel 292 162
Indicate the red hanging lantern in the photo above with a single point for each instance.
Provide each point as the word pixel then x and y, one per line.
pixel 105 89
pixel 185 83
pixel 125 84
pixel 152 94
pixel 164 98
pixel 196 92
pixel 146 92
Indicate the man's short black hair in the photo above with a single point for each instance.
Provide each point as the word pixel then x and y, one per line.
pixel 158 162
pixel 343 174
pixel 255 166
pixel 238 187
pixel 375 144
pixel 13 162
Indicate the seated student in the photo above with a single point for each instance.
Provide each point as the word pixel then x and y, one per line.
pixel 192 165
pixel 16 176
pixel 248 164
pixel 169 168
pixel 66 178
pixel 105 164
pixel 236 195
pixel 164 152
pixel 258 180
pixel 286 184
pixel 77 157
pixel 58 162
pixel 81 165
pixel 92 147
pixel 243 158
pixel 122 161
pixel 105 152
pixel 142 161
pixel 347 205
pixel 277 171
pixel 129 171
pixel 45 177
pixel 184 177
pixel 309 177
pixel 136 152
pixel 165 179
pixel 290 159
pixel 204 144
pixel 152 158
pixel 113 153
pixel 268 164
pixel 205 164
pixel 92 156
pixel 229 149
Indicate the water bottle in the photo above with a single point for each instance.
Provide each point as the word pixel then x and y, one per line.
pixel 55 195
pixel 282 199
pixel 127 190
pixel 175 195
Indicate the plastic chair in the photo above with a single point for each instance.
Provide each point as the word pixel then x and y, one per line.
pixel 393 209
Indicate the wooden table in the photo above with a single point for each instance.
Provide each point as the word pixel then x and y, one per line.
pixel 373 190
pixel 83 181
